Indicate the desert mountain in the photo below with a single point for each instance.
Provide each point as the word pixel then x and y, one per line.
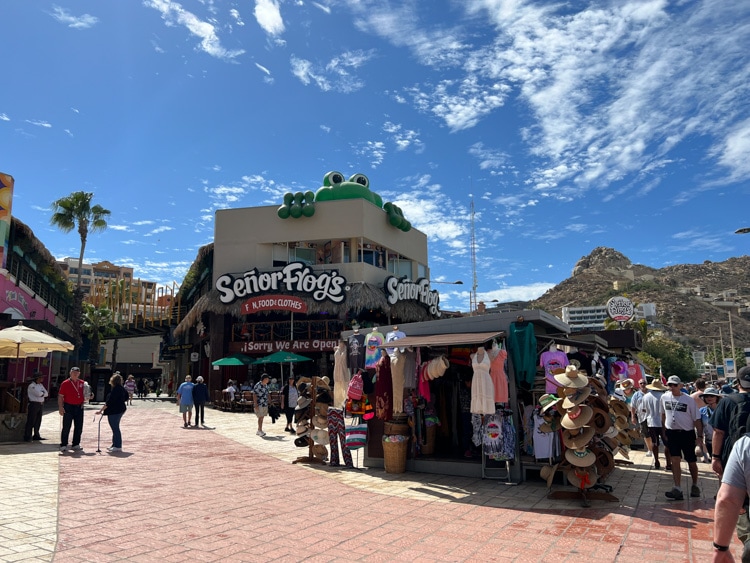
pixel 686 295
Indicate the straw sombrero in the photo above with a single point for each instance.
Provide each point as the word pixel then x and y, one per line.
pixel 578 396
pixel 580 458
pixel 578 416
pixel 605 461
pixel 622 422
pixel 547 401
pixel 572 378
pixel 618 408
pixel 598 387
pixel 578 440
pixel 582 477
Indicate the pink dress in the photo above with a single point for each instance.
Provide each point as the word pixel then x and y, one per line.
pixel 497 373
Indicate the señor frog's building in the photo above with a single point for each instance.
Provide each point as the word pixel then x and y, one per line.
pixel 293 277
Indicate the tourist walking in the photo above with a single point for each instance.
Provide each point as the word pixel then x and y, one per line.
pixel 260 400
pixel 115 406
pixel 200 398
pixel 289 396
pixel 681 419
pixel 130 387
pixel 185 400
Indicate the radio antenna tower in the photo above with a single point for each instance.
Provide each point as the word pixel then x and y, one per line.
pixel 473 293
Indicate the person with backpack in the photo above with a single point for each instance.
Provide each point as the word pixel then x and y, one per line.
pixel 680 418
pixel 730 421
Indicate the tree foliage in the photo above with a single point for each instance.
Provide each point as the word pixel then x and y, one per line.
pixel 674 358
pixel 98 324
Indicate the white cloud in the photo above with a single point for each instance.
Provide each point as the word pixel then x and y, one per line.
pixel 84 21
pixel 236 17
pixel 158 230
pixel 326 9
pixel 123 228
pixel 144 222
pixel 4 117
pixel 264 69
pixel 38 123
pixel 173 13
pixel 335 75
pixel 268 15
pixel 734 152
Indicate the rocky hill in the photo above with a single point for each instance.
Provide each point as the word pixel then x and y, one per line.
pixel 686 295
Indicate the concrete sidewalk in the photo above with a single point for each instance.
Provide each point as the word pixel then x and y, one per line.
pixel 178 494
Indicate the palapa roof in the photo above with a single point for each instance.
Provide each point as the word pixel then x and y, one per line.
pixel 22 230
pixel 360 296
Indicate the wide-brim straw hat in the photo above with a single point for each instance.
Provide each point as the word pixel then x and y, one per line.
pixel 320 421
pixel 552 426
pixel 578 416
pixel 622 422
pixel 582 477
pixel 626 383
pixel 319 436
pixel 302 414
pixel 656 385
pixel 577 397
pixel 319 451
pixel 547 401
pixel 303 403
pixel 618 407
pixel 572 378
pixel 623 438
pixel 548 473
pixel 580 458
pixel 579 440
pixel 600 420
pixel 321 384
pixel 605 462
pixel 303 382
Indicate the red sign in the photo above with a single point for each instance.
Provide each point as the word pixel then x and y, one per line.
pixel 274 303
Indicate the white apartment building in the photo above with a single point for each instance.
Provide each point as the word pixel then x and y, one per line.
pixel 592 318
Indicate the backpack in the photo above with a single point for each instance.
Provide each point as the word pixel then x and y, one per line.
pixel 356 386
pixel 739 423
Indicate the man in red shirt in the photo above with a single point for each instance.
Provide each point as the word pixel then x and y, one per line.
pixel 70 399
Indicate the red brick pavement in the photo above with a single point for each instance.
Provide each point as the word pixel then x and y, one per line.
pixel 192 495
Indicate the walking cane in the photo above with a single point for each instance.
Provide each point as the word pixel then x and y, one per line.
pixel 98 433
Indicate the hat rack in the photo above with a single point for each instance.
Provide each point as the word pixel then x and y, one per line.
pixel 310 458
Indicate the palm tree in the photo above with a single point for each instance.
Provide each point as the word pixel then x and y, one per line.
pixel 98 324
pixel 67 213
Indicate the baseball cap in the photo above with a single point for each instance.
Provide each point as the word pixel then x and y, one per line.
pixel 743 376
pixel 75 369
pixel 674 380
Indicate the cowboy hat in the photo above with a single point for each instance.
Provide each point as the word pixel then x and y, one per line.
pixel 319 451
pixel 548 473
pixel 582 477
pixel 623 438
pixel 572 378
pixel 303 381
pixel 598 386
pixel 622 422
pixel 612 431
pixel 576 417
pixel 626 383
pixel 321 384
pixel 580 458
pixel 600 420
pixel 302 442
pixel 579 440
pixel 597 402
pixel 551 426
pixel 576 397
pixel 656 385
pixel 605 461
pixel 303 403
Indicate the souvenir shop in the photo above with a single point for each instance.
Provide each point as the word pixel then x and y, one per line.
pixel 499 396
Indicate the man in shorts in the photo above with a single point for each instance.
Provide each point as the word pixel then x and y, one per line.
pixel 651 403
pixel 638 415
pixel 260 401
pixel 185 400
pixel 681 419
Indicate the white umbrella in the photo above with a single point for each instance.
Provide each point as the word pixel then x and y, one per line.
pixel 21 341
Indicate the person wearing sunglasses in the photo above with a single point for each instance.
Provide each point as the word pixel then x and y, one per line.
pixel 681 420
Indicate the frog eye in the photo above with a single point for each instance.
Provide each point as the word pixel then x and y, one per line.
pixel 333 178
pixel 360 179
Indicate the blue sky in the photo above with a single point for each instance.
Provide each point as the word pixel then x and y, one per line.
pixel 571 125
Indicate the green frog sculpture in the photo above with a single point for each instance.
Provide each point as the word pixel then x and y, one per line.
pixel 335 187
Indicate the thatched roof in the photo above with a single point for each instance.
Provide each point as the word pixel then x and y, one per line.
pixel 23 231
pixel 360 296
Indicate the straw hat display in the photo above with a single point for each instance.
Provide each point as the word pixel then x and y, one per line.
pixel 580 458
pixel 548 473
pixel 572 378
pixel 582 477
pixel 576 439
pixel 575 396
pixel 578 416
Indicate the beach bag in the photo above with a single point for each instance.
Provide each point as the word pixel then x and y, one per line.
pixel 356 386
pixel 356 436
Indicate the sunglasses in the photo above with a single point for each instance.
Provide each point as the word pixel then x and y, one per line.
pixel 672 385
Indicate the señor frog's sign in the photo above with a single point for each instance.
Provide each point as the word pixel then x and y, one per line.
pixel 295 277
pixel 401 289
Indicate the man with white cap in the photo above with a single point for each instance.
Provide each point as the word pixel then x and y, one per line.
pixel 681 419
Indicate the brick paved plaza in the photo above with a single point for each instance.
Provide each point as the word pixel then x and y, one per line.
pixel 225 494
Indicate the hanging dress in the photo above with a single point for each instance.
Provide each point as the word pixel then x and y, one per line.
pixel 398 364
pixel 340 376
pixel 522 350
pixel 497 373
pixel 383 389
pixel 482 390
